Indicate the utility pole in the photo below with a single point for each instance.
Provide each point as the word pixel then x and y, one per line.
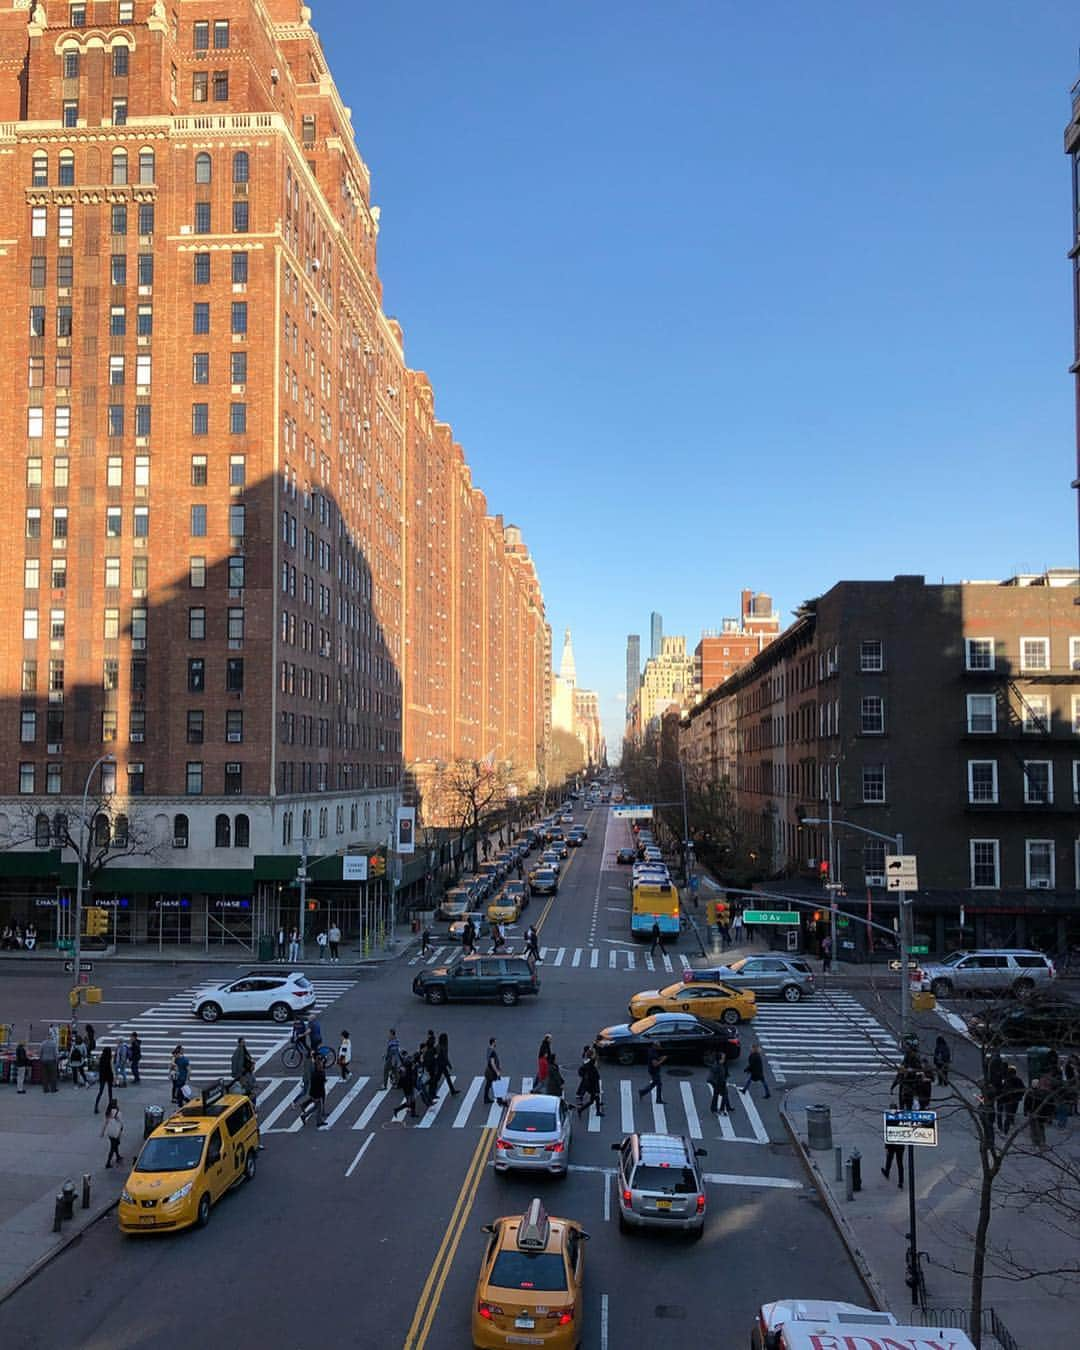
pixel 834 880
pixel 83 832
pixel 302 880
pixel 904 936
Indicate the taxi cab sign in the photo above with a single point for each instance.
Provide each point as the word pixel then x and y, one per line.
pixel 911 1127
pixel 534 1229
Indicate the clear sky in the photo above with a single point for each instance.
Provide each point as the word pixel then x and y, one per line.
pixel 729 294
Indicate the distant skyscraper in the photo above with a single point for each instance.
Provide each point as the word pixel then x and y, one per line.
pixel 633 669
pixel 656 634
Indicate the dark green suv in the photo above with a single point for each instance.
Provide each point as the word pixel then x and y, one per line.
pixel 506 978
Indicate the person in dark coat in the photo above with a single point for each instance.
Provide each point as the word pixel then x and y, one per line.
pixel 407 1084
pixel 924 1086
pixel 588 1093
pixel 22 1069
pixel 655 1084
pixel 1008 1100
pixel 993 1082
pixel 894 1153
pixel 492 1071
pixel 443 1066
pixel 1039 1109
pixel 942 1060
pixel 105 1079
pixel 755 1071
pixel 554 1082
pixel 135 1056
pixel 657 939
pixel 718 1081
pixel 903 1084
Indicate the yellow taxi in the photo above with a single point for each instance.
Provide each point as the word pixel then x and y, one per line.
pixel 531 1282
pixel 189 1162
pixel 713 1000
pixel 504 909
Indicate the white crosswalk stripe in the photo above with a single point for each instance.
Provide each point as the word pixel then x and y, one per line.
pixel 830 1035
pixel 573 958
pixel 209 1046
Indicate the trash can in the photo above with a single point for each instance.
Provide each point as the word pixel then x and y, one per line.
pixel 819 1127
pixel 1039 1058
pixel 266 948
pixel 152 1118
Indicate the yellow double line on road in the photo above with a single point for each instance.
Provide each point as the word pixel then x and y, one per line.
pixel 428 1303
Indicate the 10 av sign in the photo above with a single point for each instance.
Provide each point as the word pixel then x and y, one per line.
pixel 783 917
pixel 85 967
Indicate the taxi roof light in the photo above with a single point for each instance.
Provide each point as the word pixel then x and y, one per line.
pixel 534 1229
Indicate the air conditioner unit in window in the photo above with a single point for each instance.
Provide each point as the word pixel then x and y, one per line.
pixel 136 738
pixel 52 749
pixel 234 736
pixel 1041 884
pixel 179 843
pixel 875 880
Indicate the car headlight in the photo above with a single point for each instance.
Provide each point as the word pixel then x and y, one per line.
pixel 179 1195
pixel 126 1198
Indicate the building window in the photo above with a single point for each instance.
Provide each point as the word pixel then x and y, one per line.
pixel 200 318
pixel 202 217
pixel 871 655
pixel 1036 714
pixel 1039 859
pixel 985 860
pixel 118 269
pixel 873 783
pixel 239 316
pixel 120 57
pixel 239 269
pixel 37 320
pixel 117 321
pixel 236 572
pixel 125 11
pixel 194 780
pixel 59 522
pixel 33 472
pixel 115 419
pixel 234 675
pixel 54 783
pixel 31 574
pixel 307 131
pixel 116 370
pixel 142 471
pixel 198 470
pixel 195 725
pixel 982 781
pixel 39 267
pixel 111 628
pixel 61 469
pixel 66 223
pixel 200 35
pixel 146 176
pixel 63 321
pixel 26 778
pixel 108 725
pixel 221 86
pixel 33 522
pixel 119 112
pixel 872 716
pixel 39 171
pixel 66 173
pixel 1076 714
pixel 119 168
pixel 200 419
pixel 234 725
pixel 141 522
pixel 234 779
pixel 1034 653
pixel 222 831
pixel 146 269
pixel 197 623
pixel 114 471
pixel 38 222
pixel 29 676
pixel 1038 782
pixel 241 832
pixel 118 220
pixel 28 727
pixel 70 112
pixel 204 168
pixel 200 86
pixel 237 470
pixel 56 625
pixel 201 269
pixel 237 517
pixel 144 321
pixel 200 368
pixel 241 167
pixel 238 368
pixel 197 573
pixel 982 713
pixel 71 65
pixel 30 624
pixel 180 831
pixel 221 34
pixel 138 628
pixel 238 419
pixel 240 217
pixel 236 624
pixel 198 520
pixel 196 674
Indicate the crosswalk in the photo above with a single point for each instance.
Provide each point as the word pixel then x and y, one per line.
pixel 830 1035
pixel 361 1101
pixel 209 1046
pixel 574 958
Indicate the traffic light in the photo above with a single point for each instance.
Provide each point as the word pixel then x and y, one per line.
pixel 377 865
pixel 97 921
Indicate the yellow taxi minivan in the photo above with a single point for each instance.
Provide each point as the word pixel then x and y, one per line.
pixel 189 1162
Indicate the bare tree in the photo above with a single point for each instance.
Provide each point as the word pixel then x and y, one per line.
pixel 111 829
pixel 469 793
pixel 567 757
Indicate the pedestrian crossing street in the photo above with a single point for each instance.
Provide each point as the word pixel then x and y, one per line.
pixel 209 1046
pixel 830 1035
pixel 574 958
pixel 361 1102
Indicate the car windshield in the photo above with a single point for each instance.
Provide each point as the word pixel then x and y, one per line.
pixel 529 1270
pixel 669 1180
pixel 531 1120
pixel 180 1154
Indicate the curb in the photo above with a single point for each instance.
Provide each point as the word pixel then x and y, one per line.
pixel 847 1236
pixel 60 1246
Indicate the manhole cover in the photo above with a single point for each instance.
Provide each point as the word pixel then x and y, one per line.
pixel 675 1312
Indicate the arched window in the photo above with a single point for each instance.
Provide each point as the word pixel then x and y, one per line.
pixel 66 177
pixel 39 176
pixel 60 828
pixel 101 830
pixel 120 832
pixel 146 166
pixel 222 831
pixel 240 166
pixel 241 832
pixel 42 832
pixel 306 825
pixel 202 168
pixel 180 831
pixel 119 167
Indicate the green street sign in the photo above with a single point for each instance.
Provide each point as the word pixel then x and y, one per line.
pixel 919 951
pixel 65 945
pixel 777 916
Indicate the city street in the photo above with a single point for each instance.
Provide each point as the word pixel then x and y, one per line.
pixel 368 1233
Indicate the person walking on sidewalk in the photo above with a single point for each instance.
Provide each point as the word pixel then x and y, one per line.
pixel 826 955
pixel 1007 1102
pixel 942 1060
pixel 924 1085
pixel 443 1066
pixel 1039 1109
pixel 334 939
pixel 135 1056
pixel 105 1078
pixel 492 1071
pixel 22 1069
pixel 77 1061
pixel 120 1062
pixel 755 1071
pixel 344 1055
pixel 49 1064
pixel 894 1153
pixel 655 1063
pixel 718 1080
pixel 903 1084
pixel 112 1130
pixel 737 928
pixel 178 1072
pixel 657 939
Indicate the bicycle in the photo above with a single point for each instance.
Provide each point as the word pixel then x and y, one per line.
pixel 293 1055
pixel 914 1278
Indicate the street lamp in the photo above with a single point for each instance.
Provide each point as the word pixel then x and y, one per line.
pixel 77 950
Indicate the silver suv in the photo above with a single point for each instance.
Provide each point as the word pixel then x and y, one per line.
pixel 1001 970
pixel 659 1183
pixel 789 977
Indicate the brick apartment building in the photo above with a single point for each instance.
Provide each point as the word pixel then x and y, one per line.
pixel 224 476
pixel 950 714
pixel 721 654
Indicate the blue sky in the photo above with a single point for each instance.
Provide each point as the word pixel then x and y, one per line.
pixel 724 294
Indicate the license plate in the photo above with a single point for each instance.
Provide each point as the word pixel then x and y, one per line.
pixel 146 1218
pixel 528 1152
pixel 526 1323
pixel 663 1204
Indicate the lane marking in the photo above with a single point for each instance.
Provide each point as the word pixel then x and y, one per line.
pixel 659 1116
pixel 603 1322
pixel 428 1118
pixel 594 960
pixel 471 1094
pixel 607 1198
pixel 371 1108
pixel 627 1106
pixel 761 1134
pixel 281 1108
pixel 735 1179
pixel 363 1149
pixel 689 1106
pixel 353 1092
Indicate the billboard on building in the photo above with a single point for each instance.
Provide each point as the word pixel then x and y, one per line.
pixel 406 829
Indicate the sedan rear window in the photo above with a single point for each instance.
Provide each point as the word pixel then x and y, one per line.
pixel 525 1270
pixel 530 1119
pixel 666 1180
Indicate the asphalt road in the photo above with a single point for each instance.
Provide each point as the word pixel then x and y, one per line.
pixel 368 1233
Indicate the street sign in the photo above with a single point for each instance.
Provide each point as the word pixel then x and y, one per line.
pixel 911 1127
pixel 920 950
pixel 354 867
pixel 901 872
pixel 85 967
pixel 64 944
pixel 632 812
pixel 783 917
pixel 895 965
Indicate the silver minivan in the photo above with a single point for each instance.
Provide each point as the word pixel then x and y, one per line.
pixel 659 1184
pixel 999 970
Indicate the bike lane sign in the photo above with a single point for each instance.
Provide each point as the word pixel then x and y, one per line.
pixel 911 1127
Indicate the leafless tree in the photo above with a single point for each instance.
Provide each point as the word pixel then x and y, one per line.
pixel 112 828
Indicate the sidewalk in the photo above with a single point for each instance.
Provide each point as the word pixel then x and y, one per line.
pixel 50 1139
pixel 874 1223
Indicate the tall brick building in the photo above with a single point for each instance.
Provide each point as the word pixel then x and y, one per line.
pixel 721 654
pixel 224 478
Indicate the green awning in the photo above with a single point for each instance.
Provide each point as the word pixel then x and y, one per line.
pixel 43 862
pixel 175 880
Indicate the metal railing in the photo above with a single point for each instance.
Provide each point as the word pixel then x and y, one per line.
pixel 959 1319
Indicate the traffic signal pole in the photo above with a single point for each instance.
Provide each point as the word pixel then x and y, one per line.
pixel 83 832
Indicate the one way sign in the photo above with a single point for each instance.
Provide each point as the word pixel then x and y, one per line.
pixel 901 872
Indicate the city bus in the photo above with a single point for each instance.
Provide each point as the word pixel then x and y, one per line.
pixel 653 902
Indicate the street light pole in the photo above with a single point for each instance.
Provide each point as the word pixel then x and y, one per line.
pixel 77 948
pixel 302 878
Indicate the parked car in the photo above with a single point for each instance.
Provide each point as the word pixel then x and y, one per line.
pixel 680 1036
pixel 506 978
pixel 788 977
pixel 659 1184
pixel 1034 1022
pixel 997 971
pixel 625 855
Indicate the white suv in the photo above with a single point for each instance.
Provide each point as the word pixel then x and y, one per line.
pixel 256 994
pixel 1000 970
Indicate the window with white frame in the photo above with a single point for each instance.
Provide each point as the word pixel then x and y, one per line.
pixel 982 713
pixel 1040 863
pixel 873 783
pixel 1037 714
pixel 1038 782
pixel 979 653
pixel 872 716
pixel 982 781
pixel 985 862
pixel 1076 714
pixel 871 655
pixel 1074 653
pixel 1034 653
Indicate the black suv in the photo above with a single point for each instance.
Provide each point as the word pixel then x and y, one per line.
pixel 506 978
